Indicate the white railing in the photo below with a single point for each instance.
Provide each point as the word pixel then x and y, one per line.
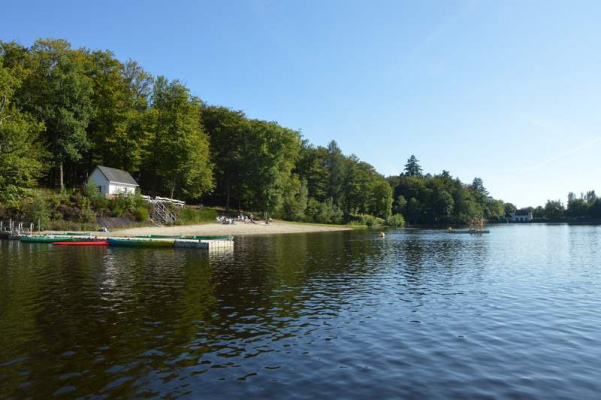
pixel 178 203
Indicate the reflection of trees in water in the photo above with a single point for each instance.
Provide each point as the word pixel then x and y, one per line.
pixel 154 314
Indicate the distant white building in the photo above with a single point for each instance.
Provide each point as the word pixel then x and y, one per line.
pixel 112 181
pixel 521 216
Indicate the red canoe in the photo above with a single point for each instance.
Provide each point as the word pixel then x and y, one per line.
pixel 103 243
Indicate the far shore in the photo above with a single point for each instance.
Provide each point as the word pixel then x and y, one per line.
pixel 238 229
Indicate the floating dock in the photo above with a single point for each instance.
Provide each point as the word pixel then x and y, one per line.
pixel 190 242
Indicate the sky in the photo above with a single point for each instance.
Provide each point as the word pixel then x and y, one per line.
pixel 508 90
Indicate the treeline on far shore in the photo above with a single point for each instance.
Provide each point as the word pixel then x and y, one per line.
pixel 63 111
pixel 585 208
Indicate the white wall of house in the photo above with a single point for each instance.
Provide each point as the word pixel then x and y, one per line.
pixel 119 188
pixel 100 181
pixel 521 218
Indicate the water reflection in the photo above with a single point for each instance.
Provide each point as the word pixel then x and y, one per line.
pixel 336 315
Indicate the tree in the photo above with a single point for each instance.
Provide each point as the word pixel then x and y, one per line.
pixel 412 168
pixel 554 209
pixel 496 208
pixel 271 152
pixel 180 147
pixel 443 204
pixel 228 131
pixel 400 204
pixel 479 192
pixel 313 166
pixel 117 130
pixel 510 209
pixel 296 197
pixel 413 209
pixel 381 199
pixel 338 173
pixel 20 155
pixel 58 93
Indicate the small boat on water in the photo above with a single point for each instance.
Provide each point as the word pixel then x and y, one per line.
pixel 100 243
pixel 46 239
pixel 140 242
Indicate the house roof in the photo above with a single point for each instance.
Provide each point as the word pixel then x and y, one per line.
pixel 117 175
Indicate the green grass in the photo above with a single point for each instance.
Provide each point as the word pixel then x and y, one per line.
pixel 189 216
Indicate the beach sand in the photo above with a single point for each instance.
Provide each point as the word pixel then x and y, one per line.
pixel 238 229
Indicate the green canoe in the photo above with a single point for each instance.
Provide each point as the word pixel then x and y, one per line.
pixel 139 242
pixel 47 239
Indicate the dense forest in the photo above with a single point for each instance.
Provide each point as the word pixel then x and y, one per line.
pixel 64 111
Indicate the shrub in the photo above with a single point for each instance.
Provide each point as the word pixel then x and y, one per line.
pixel 369 220
pixel 396 220
pixel 87 214
pixel 90 190
pixel 38 211
pixel 326 212
pixel 141 214
pixel 122 205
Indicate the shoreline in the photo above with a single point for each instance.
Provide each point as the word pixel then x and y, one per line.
pixel 240 229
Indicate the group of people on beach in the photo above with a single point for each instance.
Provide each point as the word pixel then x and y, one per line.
pixel 247 219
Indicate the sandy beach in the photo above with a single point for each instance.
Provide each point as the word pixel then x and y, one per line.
pixel 239 229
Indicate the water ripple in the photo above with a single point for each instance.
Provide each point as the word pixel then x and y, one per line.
pixel 338 315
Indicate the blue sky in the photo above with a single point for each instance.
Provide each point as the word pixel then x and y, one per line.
pixel 508 91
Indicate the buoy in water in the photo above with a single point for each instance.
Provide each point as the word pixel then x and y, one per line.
pixel 382 235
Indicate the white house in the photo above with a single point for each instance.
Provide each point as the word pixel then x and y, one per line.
pixel 112 181
pixel 521 216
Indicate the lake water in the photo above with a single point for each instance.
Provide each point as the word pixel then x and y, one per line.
pixel 514 314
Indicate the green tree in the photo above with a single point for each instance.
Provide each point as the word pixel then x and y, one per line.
pixel 296 197
pixel 443 204
pixel 271 152
pixel 313 166
pixel 337 166
pixel 117 130
pixel 400 204
pixel 554 209
pixel 496 208
pixel 510 209
pixel 381 199
pixel 58 93
pixel 180 148
pixel 20 155
pixel 412 168
pixel 228 131
pixel 479 192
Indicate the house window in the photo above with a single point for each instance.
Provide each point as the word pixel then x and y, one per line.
pixel 99 189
